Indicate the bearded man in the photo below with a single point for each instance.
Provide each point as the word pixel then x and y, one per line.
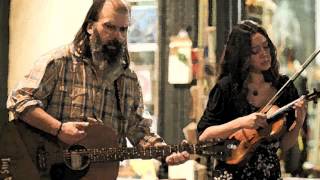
pixel 87 82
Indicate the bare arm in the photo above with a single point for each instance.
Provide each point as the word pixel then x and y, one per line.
pixel 70 132
pixel 39 119
pixel 289 139
pixel 220 131
pixel 251 121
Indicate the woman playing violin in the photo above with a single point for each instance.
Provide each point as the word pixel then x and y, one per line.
pixel 249 77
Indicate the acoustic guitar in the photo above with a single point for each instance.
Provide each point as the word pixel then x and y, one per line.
pixel 97 156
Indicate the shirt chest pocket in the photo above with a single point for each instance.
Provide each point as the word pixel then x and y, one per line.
pixel 78 95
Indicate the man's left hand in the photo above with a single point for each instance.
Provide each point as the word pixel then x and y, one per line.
pixel 175 158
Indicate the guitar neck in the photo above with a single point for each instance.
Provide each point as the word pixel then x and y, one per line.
pixel 119 154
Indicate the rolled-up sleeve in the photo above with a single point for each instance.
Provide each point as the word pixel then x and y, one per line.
pixel 33 89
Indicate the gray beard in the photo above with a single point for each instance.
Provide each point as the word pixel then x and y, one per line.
pixel 105 54
pixel 101 58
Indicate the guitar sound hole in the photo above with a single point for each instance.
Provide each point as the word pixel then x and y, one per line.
pixel 77 157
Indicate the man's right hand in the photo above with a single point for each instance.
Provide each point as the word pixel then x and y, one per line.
pixel 73 132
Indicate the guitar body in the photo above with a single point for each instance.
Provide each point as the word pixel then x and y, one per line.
pixel 100 136
pixel 46 153
pixel 97 156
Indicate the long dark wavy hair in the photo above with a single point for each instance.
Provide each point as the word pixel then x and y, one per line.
pixel 237 51
pixel 82 42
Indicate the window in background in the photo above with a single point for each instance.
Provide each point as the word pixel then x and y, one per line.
pixel 143 49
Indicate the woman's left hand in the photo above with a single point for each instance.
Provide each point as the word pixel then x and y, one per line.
pixel 301 111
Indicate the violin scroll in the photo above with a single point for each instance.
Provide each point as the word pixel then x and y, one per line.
pixel 313 96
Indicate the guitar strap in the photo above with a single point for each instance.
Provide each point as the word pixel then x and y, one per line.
pixel 121 128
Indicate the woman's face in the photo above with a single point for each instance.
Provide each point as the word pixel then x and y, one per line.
pixel 260 58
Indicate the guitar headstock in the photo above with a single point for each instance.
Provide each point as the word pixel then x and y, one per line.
pixel 219 149
pixel 313 96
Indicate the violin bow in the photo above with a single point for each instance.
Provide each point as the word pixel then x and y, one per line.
pixel 267 107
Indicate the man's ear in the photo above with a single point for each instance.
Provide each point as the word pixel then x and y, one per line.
pixel 90 28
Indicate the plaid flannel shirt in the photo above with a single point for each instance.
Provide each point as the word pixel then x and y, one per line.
pixel 66 86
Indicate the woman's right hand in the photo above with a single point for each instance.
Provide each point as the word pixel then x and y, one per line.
pixel 254 121
pixel 73 132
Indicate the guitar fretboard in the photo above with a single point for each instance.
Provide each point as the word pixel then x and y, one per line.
pixel 119 154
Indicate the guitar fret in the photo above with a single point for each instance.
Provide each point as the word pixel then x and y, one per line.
pixel 104 154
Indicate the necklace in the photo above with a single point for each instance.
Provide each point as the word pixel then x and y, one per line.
pixel 255 92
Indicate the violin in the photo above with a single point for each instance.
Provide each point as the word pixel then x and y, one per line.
pixel 250 139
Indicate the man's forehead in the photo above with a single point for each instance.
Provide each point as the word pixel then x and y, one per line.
pixel 108 13
pixel 120 8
